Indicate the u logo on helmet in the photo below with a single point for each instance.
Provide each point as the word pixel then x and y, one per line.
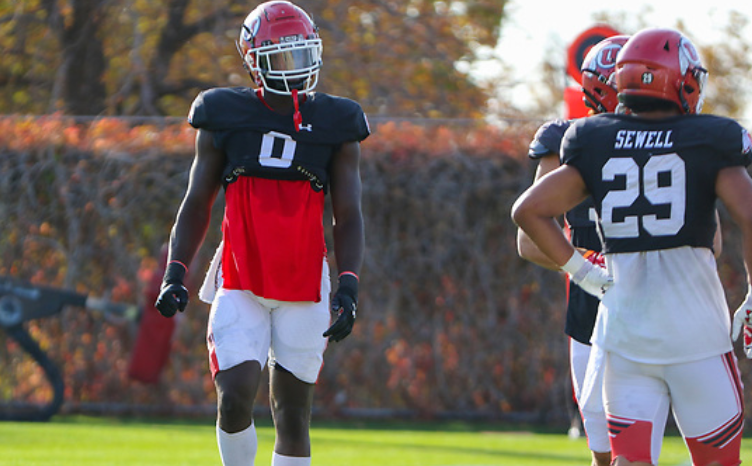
pixel 607 57
pixel 249 32
pixel 688 56
pixel 255 27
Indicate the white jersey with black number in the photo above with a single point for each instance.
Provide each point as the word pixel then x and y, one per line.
pixel 653 184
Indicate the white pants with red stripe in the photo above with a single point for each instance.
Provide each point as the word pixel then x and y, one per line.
pixel 705 397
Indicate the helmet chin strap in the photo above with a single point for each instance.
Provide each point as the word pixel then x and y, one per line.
pixel 297 118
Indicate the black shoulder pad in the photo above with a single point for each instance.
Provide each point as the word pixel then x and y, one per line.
pixel 343 118
pixel 220 108
pixel 547 139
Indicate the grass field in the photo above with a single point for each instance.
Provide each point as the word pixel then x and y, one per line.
pixel 84 441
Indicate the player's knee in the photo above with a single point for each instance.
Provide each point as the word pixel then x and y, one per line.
pixel 234 409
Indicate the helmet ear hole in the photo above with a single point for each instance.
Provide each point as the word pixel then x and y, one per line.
pixel 688 88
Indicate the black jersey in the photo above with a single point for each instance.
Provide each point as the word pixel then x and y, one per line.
pixel 653 181
pixel 263 143
pixel 547 139
pixel 272 231
pixel 582 307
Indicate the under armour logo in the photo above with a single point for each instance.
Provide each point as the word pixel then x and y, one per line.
pixel 307 127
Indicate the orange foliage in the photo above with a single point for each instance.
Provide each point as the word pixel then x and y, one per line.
pixel 111 136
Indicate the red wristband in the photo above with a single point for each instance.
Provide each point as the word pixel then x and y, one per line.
pixel 178 262
pixel 349 273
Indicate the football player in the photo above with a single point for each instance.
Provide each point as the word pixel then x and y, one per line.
pixel 276 150
pixel 662 332
pixel 600 96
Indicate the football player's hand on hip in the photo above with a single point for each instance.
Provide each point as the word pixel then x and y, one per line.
pixel 743 321
pixel 592 278
pixel 595 257
pixel 345 305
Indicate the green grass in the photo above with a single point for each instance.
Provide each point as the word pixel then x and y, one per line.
pixel 83 441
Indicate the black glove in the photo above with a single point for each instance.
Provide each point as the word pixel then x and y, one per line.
pixel 344 303
pixel 174 295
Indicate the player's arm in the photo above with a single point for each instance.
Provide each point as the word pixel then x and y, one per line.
pixel 535 212
pixel 734 188
pixel 194 213
pixel 525 246
pixel 192 221
pixel 349 236
pixel 717 237
pixel 345 186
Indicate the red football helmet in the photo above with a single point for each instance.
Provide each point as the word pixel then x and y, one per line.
pixel 281 48
pixel 597 68
pixel 661 64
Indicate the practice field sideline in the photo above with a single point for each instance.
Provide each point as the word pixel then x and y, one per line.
pixel 84 441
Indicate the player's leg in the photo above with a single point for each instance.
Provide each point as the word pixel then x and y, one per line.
pixel 291 400
pixel 296 359
pixel 236 391
pixel 593 420
pixel 707 401
pixel 238 340
pixel 236 433
pixel 576 429
pixel 297 355
pixel 636 399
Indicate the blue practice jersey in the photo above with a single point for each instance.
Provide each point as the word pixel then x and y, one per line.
pixel 582 307
pixel 653 182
